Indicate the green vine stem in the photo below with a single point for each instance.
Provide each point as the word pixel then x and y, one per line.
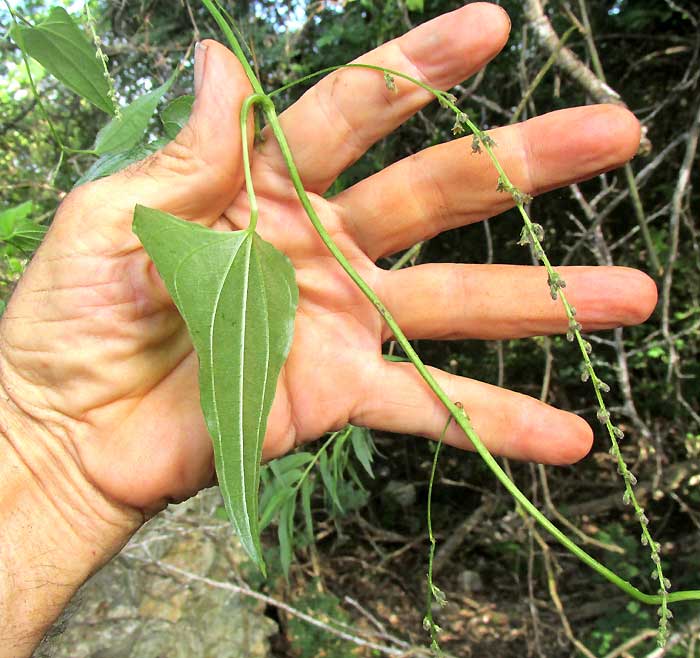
pixel 434 592
pixel 343 434
pixel 663 598
pixel 248 104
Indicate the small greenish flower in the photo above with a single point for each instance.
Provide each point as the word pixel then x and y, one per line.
pixel 446 99
pixel 521 198
pixel 524 237
pixel 459 127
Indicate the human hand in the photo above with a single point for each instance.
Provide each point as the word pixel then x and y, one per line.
pixel 94 352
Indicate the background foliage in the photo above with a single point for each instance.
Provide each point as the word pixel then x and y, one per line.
pixel 528 598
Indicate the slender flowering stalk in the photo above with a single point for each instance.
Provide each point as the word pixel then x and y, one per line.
pixel 533 234
pixel 103 60
pixel 434 592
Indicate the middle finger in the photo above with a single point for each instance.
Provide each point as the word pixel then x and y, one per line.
pixel 447 186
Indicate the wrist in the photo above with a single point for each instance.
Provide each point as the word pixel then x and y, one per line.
pixel 57 527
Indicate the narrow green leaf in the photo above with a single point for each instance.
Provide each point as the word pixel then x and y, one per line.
pixel 238 296
pixel 288 478
pixel 362 446
pixel 273 506
pixel 61 47
pixel 125 132
pixel 306 490
pixel 395 359
pixel 329 482
pixel 288 462
pixel 285 534
pixel 176 114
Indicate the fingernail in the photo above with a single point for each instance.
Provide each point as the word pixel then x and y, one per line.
pixel 200 53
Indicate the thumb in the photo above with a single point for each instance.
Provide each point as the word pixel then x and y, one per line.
pixel 198 174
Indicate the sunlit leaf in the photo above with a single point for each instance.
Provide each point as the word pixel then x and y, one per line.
pixel 176 114
pixel 18 230
pixel 61 47
pixel 238 296
pixel 124 132
pixel 415 5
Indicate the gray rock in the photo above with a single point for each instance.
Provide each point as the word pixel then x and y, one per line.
pixel 133 609
pixel 470 581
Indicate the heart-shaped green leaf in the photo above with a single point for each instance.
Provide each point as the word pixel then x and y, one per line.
pixel 238 297
pixel 62 48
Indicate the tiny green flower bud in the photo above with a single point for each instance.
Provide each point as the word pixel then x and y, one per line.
pixel 460 120
pixel 445 99
pixel 570 335
pixel 654 575
pixel 667 584
pixel 524 237
pixel 521 198
pixel 538 231
pixel 588 347
pixel 476 146
pixel 632 478
pixel 603 386
pixel 655 558
pixel 644 540
pixel 626 498
pixel 585 375
pixel 618 433
pixel 488 141
pixel 603 416
pixel 390 82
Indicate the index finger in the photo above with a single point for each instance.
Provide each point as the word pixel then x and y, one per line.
pixel 337 120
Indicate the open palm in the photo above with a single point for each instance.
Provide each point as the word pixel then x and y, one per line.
pixel 93 348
